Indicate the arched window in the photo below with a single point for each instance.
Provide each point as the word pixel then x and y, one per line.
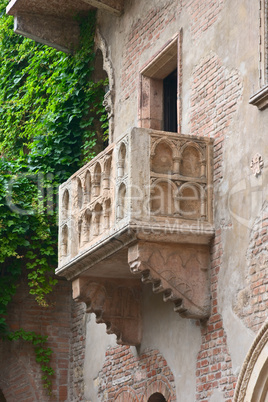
pixel 157 397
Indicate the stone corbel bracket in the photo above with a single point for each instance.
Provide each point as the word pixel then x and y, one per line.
pixel 116 303
pixel 179 271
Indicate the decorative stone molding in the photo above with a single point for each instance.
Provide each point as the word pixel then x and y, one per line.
pixel 252 384
pixel 143 206
pixel 256 164
pixel 260 98
pixel 109 98
pixel 178 271
pixel 116 303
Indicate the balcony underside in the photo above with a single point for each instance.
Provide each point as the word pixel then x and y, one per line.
pixel 140 212
pixel 109 257
pixel 55 22
pixel 110 274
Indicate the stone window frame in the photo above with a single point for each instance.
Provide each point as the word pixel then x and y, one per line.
pixel 260 98
pixel 152 74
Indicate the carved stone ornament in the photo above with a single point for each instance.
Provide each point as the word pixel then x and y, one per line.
pixel 141 209
pixel 180 272
pixel 252 384
pixel 116 303
pixel 108 103
pixel 256 164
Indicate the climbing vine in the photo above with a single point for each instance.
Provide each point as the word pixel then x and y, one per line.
pixel 49 104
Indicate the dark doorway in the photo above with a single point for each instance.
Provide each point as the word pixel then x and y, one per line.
pixel 170 102
pixel 157 397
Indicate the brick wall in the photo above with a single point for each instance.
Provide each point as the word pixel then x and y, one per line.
pixel 77 352
pixel 203 14
pixel 216 92
pixel 252 301
pixel 214 366
pixel 143 35
pixel 214 101
pixel 126 378
pixel 20 375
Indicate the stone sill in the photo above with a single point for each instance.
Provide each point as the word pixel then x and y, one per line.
pixel 260 98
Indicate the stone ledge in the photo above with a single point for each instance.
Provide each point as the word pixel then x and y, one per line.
pixel 54 22
pixel 260 98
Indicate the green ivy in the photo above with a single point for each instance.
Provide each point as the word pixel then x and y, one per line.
pixel 49 106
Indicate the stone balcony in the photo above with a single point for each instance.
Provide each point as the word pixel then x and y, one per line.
pixel 141 211
pixel 55 22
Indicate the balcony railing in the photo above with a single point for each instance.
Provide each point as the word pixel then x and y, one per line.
pixel 147 195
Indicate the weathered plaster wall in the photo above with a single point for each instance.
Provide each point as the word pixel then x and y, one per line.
pixel 165 334
pixel 220 56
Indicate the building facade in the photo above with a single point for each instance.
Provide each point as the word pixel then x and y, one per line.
pixel 164 234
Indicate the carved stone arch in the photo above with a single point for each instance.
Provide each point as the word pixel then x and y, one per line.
pixel 107 213
pixel 190 201
pixel 121 201
pixel 80 223
pixel 65 204
pixel 96 180
pixel 86 227
pixel 126 394
pixel 191 160
pixel 107 167
pixel 87 186
pixel 64 241
pixel 162 197
pixel 162 156
pixel 79 193
pixel 168 142
pixel 97 219
pixel 122 160
pixel 252 384
pixel 100 44
pixel 192 144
